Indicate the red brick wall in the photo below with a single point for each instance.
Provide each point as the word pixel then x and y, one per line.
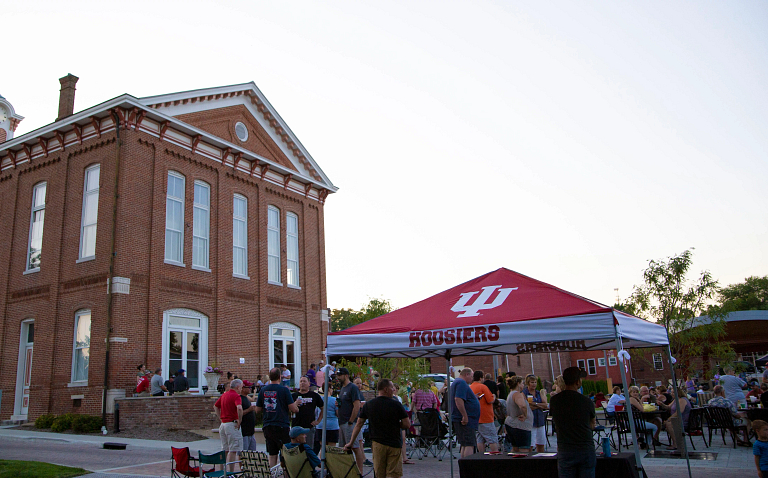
pixel 189 412
pixel 239 310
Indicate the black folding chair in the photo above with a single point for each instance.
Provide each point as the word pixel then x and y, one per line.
pixel 428 441
pixel 720 418
pixel 696 425
pixel 622 428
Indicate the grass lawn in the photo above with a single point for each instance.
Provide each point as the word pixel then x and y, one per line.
pixel 37 469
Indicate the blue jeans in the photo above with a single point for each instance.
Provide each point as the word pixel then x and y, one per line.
pixel 576 464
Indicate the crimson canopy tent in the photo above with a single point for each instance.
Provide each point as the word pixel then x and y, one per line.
pixel 501 312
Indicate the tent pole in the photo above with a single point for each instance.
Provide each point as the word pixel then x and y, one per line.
pixel 677 407
pixel 628 404
pixel 449 405
pixel 559 363
pixel 533 371
pixel 551 369
pixel 607 374
pixel 326 380
pixel 506 359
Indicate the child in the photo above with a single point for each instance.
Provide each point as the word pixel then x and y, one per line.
pixel 760 448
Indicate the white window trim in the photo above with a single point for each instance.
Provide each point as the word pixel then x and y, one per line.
pixel 207 209
pixel 167 197
pixel 612 361
pixel 601 362
pixel 27 269
pixel 73 382
pixel 593 365
pixel 245 228
pixel 87 193
pixel 289 237
pixel 192 314
pixel 279 259
pixel 296 347
pixel 18 391
pixel 661 362
pixel 582 364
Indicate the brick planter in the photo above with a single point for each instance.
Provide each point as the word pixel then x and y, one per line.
pixel 186 412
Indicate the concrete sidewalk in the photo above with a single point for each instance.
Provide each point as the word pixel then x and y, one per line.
pixel 151 458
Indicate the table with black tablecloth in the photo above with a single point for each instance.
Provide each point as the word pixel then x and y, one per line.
pixel 757 413
pixel 621 465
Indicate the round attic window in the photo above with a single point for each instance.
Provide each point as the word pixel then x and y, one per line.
pixel 241 131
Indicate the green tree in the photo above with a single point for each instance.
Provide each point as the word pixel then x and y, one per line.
pixel 345 318
pixel 669 298
pixel 752 294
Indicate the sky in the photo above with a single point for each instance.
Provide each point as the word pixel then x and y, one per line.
pixel 569 141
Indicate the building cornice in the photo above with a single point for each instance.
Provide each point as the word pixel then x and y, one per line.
pixel 135 115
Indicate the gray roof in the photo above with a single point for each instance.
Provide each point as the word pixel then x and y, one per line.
pixel 739 316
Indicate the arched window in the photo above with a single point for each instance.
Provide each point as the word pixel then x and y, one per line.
pixel 292 243
pixel 90 213
pixel 285 348
pixel 240 236
pixel 185 345
pixel 82 346
pixel 34 251
pixel 174 219
pixel 273 244
pixel 201 227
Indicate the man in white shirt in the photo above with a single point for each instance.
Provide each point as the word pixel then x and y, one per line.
pixel 285 374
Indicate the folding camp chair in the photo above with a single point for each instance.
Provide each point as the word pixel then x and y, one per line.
pixel 255 464
pixel 296 463
pixel 340 462
pixel 219 458
pixel 180 464
pixel 429 439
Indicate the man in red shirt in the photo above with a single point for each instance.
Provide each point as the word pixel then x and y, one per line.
pixel 486 429
pixel 144 385
pixel 229 408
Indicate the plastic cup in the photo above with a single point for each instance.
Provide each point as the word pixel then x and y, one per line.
pixel 530 398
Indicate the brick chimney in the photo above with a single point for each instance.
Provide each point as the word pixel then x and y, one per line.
pixel 67 96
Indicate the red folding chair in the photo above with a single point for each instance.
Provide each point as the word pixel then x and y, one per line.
pixel 180 464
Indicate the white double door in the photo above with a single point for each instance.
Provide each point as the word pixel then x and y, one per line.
pixel 24 370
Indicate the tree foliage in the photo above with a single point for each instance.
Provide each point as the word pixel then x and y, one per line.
pixel 752 294
pixel 404 372
pixel 669 298
pixel 345 318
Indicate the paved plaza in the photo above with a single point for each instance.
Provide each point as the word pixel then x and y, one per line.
pixel 144 458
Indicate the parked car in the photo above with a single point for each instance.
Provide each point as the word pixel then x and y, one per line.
pixel 438 378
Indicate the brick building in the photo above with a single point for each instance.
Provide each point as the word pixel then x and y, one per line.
pixel 204 210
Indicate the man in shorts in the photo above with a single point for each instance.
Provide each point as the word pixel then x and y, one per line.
pixel 349 403
pixel 276 403
pixel 229 409
pixel 387 418
pixel 465 413
pixel 486 428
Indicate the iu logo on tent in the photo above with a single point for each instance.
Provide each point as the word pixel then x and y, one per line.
pixel 481 302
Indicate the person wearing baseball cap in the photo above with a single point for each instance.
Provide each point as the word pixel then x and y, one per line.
pixel 574 417
pixel 350 401
pixel 299 439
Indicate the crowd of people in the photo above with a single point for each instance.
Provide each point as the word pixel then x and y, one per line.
pixel 479 407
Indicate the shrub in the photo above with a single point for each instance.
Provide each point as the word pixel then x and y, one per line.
pixel 86 423
pixel 63 422
pixel 45 421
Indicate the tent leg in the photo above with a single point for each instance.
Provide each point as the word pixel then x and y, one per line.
pixel 628 408
pixel 677 407
pixel 448 397
pixel 326 380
